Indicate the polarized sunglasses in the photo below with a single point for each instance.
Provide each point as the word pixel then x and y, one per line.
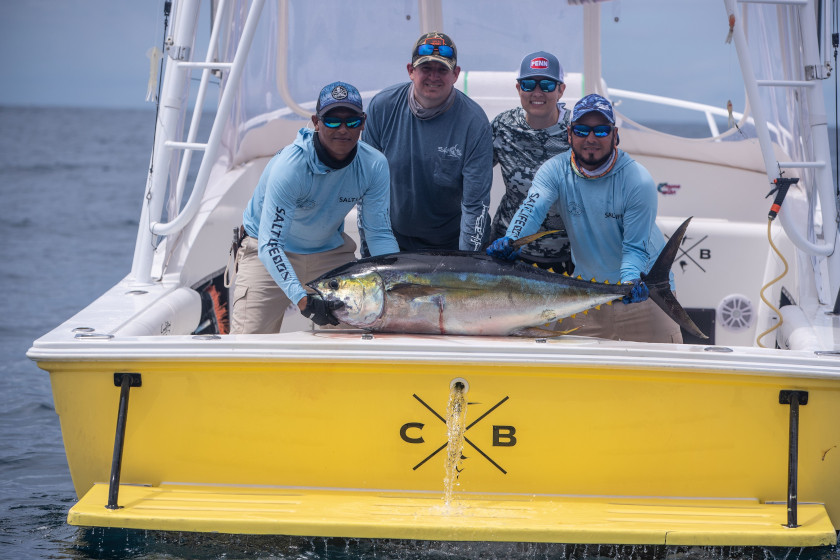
pixel 601 131
pixel 443 50
pixel 350 122
pixel 531 85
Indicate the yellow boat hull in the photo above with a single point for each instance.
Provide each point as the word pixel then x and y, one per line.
pixel 537 433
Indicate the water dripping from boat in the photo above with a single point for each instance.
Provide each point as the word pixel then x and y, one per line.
pixel 456 416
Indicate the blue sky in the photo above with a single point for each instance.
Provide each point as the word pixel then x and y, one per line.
pixel 93 52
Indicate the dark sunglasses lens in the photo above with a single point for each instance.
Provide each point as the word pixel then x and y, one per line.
pixel 580 130
pixel 349 122
pixel 601 131
pixel 548 85
pixel 527 85
pixel 425 50
pixel 445 51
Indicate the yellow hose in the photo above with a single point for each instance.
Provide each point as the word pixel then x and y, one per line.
pixel 761 293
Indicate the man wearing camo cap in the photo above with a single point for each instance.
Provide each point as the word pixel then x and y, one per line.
pixel 293 227
pixel 523 139
pixel 608 203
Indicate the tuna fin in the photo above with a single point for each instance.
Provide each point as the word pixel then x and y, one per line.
pixel 658 282
pixel 537 332
pixel 528 238
pixel 412 291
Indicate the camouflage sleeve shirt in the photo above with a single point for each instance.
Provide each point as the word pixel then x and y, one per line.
pixel 520 150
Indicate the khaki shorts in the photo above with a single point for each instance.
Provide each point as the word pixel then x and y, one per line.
pixel 639 322
pixel 258 302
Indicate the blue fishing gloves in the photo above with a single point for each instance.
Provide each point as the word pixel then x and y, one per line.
pixel 638 293
pixel 320 311
pixel 503 248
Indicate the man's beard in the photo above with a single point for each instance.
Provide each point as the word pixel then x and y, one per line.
pixel 594 163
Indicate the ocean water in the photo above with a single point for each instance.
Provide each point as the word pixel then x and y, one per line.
pixel 71 186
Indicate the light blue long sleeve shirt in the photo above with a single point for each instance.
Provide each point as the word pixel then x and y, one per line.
pixel 611 220
pixel 300 204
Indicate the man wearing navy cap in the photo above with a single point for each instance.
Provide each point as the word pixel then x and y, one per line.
pixel 523 139
pixel 608 203
pixel 437 141
pixel 293 227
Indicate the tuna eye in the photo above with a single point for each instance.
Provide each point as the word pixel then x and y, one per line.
pixel 334 284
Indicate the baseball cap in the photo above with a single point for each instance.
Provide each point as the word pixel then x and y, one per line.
pixel 436 39
pixel 593 103
pixel 338 94
pixel 541 64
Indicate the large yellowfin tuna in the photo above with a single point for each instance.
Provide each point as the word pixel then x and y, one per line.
pixel 464 293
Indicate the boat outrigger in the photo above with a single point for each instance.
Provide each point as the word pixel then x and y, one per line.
pixel 733 440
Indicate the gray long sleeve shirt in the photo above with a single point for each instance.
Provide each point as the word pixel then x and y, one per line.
pixel 441 168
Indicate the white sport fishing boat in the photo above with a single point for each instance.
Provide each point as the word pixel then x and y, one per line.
pixel 733 440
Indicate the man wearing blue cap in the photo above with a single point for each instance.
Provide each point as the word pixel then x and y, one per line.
pixel 523 139
pixel 293 227
pixel 608 203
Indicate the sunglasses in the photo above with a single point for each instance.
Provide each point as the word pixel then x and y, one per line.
pixel 443 50
pixel 350 122
pixel 531 85
pixel 601 131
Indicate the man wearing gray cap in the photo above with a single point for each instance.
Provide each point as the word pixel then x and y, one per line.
pixel 523 139
pixel 608 202
pixel 293 227
pixel 440 152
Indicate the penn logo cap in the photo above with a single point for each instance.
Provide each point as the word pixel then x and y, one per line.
pixel 541 64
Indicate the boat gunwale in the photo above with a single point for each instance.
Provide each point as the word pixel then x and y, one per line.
pixel 581 352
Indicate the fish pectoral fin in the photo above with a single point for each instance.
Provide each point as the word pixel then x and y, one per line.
pixel 412 291
pixel 536 332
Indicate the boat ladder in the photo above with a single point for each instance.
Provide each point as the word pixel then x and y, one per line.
pixel 179 70
pixel 805 84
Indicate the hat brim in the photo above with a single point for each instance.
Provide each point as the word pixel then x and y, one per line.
pixel 340 105
pixel 539 76
pixel 448 62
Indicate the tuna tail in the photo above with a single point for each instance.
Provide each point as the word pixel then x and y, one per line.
pixel 659 284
